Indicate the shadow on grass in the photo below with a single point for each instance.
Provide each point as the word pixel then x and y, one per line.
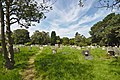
pixel 59 67
pixel 21 65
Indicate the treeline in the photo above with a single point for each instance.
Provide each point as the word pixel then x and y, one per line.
pixel 21 36
pixel 107 31
pixel 103 33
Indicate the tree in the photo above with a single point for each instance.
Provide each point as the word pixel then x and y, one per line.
pixel 106 32
pixel 40 38
pixel 77 39
pixel 80 40
pixel 113 4
pixel 46 37
pixel 4 49
pixel 58 40
pixel 21 36
pixel 72 41
pixel 53 38
pixel 65 41
pixel 21 11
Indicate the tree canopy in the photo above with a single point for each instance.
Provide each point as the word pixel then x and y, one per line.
pixel 107 31
pixel 40 38
pixel 21 36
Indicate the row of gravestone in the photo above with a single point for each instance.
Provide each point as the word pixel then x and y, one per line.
pixel 16 50
pixel 86 54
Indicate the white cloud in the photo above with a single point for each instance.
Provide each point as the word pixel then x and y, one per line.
pixel 66 21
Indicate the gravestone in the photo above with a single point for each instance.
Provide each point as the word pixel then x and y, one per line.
pixel 103 48
pixel 116 50
pixel 110 51
pixel 29 48
pixel 86 52
pixel 41 48
pixel 87 55
pixel 16 50
pixel 54 51
pixel 78 47
pixel 56 45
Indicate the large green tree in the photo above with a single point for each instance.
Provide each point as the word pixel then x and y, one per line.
pixel 40 38
pixel 107 31
pixel 21 36
pixel 19 11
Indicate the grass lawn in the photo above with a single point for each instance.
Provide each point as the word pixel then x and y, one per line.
pixel 69 64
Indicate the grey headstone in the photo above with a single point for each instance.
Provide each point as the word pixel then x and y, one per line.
pixel 110 51
pixel 116 50
pixel 86 52
pixel 56 45
pixel 103 48
pixel 16 50
pixel 54 51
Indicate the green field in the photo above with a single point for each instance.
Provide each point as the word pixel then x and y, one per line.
pixel 67 64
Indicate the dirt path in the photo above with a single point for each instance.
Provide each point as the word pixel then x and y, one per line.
pixel 29 72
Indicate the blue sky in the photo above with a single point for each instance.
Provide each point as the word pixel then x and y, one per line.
pixel 67 18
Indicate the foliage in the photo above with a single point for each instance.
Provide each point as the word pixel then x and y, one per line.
pixel 40 38
pixel 71 41
pixel 81 40
pixel 53 38
pixel 21 36
pixel 58 40
pixel 22 12
pixel 106 32
pixel 65 41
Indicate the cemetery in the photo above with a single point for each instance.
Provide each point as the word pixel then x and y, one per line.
pixel 59 39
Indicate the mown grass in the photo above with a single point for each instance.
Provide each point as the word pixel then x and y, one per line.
pixel 21 62
pixel 69 64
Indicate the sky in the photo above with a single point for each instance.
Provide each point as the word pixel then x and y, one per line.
pixel 67 18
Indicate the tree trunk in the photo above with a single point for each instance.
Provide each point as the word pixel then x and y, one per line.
pixel 4 49
pixel 8 32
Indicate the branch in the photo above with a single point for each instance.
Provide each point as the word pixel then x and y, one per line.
pixel 13 18
pixel 18 20
pixel 108 5
pixel 13 22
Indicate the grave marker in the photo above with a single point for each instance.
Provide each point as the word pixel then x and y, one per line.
pixel 54 51
pixel 110 51
pixel 86 52
pixel 116 50
pixel 16 50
